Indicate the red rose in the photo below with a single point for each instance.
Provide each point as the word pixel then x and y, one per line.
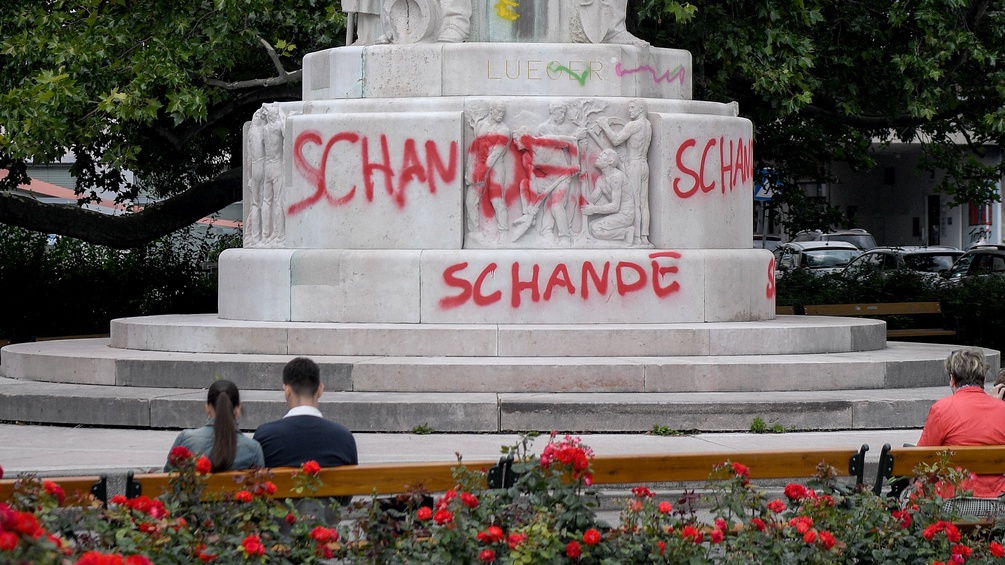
pixel 691 533
pixel 243 496
pixel 643 492
pixel 758 523
pixel 487 555
pixel 291 519
pixel 662 546
pixel 795 491
pixel 802 524
pixel 138 560
pixel 573 550
pixel 664 507
pixel 119 499
pixel 827 539
pixel 26 524
pixel 469 500
pixel 320 534
pixel 591 537
pixel 516 539
pixel 203 465
pixel 54 490
pixel 996 549
pixel 424 513
pixel 721 524
pixel 634 505
pixel 776 506
pixel 952 532
pixel 717 536
pixel 312 467
pixel 179 454
pixel 810 536
pixel 8 541
pixel 252 545
pixel 146 527
pixel 443 516
pixel 492 534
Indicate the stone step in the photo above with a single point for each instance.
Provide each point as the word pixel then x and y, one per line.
pixel 92 361
pixel 785 335
pixel 150 407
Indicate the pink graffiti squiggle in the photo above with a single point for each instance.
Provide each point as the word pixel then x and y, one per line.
pixel 678 73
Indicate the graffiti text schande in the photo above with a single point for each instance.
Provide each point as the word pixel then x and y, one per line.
pixel 679 73
pixel 591 281
pixel 735 166
pixel 397 175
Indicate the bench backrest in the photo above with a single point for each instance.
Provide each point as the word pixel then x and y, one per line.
pixel 877 309
pixel 387 479
pixel 901 461
pixel 79 491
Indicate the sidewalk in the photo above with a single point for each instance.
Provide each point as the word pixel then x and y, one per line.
pixel 54 450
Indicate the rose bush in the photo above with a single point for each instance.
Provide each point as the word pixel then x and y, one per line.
pixel 548 515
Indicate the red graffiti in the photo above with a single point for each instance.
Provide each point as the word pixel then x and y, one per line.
pixel 628 277
pixel 736 166
pixel 548 158
pixel 769 292
pixel 412 168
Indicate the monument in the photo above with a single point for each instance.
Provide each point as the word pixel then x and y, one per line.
pixel 503 163
pixel 486 216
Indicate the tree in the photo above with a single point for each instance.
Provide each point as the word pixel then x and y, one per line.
pixel 822 79
pixel 160 88
pixel 163 87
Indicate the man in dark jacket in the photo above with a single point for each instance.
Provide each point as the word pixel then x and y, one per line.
pixel 303 434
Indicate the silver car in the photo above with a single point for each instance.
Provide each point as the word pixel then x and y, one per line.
pixel 818 257
pixel 928 261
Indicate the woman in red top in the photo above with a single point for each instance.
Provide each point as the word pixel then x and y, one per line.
pixel 969 416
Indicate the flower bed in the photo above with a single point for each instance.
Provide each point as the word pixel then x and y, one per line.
pixel 547 516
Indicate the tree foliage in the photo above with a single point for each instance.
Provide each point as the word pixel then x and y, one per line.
pixel 158 88
pixel 822 79
pixel 161 88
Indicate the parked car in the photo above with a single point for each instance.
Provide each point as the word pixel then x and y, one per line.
pixel 857 237
pixel 978 261
pixel 819 257
pixel 770 242
pixel 929 261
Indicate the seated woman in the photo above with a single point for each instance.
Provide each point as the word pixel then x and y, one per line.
pixel 969 416
pixel 220 440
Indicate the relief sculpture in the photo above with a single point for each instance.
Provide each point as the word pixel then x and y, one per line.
pixel 573 179
pixel 266 222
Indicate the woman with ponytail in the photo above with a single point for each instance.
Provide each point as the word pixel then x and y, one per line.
pixel 220 440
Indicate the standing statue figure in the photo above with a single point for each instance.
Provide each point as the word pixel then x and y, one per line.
pixel 603 21
pixel 635 136
pixel 273 207
pixel 551 163
pixel 614 197
pixel 456 21
pixel 486 176
pixel 363 18
pixel 256 179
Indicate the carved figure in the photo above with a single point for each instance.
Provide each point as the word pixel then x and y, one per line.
pixel 550 161
pixel 486 176
pixel 613 197
pixel 603 21
pixel 635 136
pixel 363 17
pixel 273 208
pixel 256 178
pixel 456 21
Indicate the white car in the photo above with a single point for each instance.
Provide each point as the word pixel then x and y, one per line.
pixel 856 236
pixel 818 257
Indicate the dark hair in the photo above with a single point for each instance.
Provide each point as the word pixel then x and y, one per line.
pixel 303 376
pixel 224 398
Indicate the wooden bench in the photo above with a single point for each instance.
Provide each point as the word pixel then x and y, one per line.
pixel 885 309
pixel 897 462
pixel 79 491
pixel 386 479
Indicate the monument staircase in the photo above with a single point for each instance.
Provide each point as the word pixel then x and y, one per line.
pixel 494 220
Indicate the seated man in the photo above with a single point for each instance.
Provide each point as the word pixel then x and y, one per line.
pixel 969 416
pixel 303 434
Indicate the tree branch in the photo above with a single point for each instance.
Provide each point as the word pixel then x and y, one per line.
pixel 282 76
pixel 123 231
